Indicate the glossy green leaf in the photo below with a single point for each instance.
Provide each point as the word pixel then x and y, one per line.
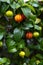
pixel 10 42
pixel 34 4
pixel 30 7
pixel 40 56
pixel 18 34
pixel 13 50
pixel 4 60
pixel 8 1
pixel 1 34
pixel 27 52
pixel 15 5
pixel 26 11
pixel 37 27
pixel 21 44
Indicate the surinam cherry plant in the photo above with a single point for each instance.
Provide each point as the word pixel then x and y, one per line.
pixel 21 32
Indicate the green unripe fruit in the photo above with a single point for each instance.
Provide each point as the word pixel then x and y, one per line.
pixel 36 34
pixel 9 13
pixel 41 9
pixel 37 62
pixel 22 54
pixel 1 44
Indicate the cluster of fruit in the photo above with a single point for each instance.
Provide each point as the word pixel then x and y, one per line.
pixel 18 18
pixel 25 35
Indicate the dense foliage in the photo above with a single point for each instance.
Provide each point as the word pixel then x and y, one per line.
pixel 21 32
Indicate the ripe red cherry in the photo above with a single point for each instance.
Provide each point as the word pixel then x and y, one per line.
pixel 23 16
pixel 29 35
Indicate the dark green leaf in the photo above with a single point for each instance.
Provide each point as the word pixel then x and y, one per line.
pixel 21 44
pixel 27 52
pixel 1 34
pixel 40 56
pixel 26 11
pixel 18 34
pixel 10 43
